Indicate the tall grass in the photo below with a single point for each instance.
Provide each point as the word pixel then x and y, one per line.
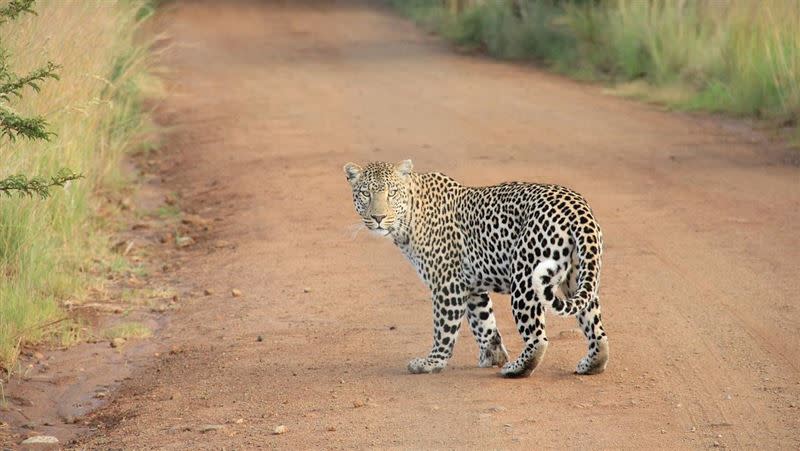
pixel 48 246
pixel 733 56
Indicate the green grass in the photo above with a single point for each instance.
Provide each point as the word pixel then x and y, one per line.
pixel 127 330
pixel 168 212
pixel 739 57
pixel 49 248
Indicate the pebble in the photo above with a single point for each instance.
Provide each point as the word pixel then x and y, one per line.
pixel 39 439
pixel 358 403
pixel 331 428
pixel 221 243
pixel 184 241
pixel 279 430
pixel 211 427
pixel 259 339
pixel 208 292
pixel 239 421
pixel 38 355
pixel 306 290
pixel 117 342
pixel 236 293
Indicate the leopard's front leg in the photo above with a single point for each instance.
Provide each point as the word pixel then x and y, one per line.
pixel 449 306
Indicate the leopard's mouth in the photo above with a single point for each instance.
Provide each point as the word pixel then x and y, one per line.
pixel 381 231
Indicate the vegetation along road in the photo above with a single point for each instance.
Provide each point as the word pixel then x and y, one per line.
pixel 268 100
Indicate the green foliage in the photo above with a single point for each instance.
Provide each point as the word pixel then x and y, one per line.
pixel 14 8
pixel 13 125
pixel 36 185
pixel 736 57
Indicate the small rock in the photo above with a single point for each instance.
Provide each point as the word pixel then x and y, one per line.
pixel 208 292
pixel 38 356
pixel 117 342
pixel 358 403
pixel 30 425
pixel 69 419
pixel 195 220
pixel 100 395
pixel 716 444
pixel 239 421
pixel 211 427
pixel 392 327
pixel 331 428
pixel 259 338
pixel 663 431
pixel 728 397
pixel 496 409
pixel 306 290
pixel 39 439
pixel 184 241
pixel 221 243
pixel 236 293
pixel 279 430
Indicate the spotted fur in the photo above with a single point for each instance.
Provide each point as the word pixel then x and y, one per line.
pixel 539 243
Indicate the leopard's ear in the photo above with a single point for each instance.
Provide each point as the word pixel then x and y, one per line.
pixel 405 167
pixel 352 171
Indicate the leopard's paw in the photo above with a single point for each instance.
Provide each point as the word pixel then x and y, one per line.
pixel 426 365
pixel 594 363
pixel 493 356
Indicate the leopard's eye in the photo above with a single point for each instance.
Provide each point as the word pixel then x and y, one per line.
pixel 392 192
pixel 364 194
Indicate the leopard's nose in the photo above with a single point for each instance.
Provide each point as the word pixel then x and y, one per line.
pixel 378 218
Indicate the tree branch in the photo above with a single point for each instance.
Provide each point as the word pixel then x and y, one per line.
pixel 40 186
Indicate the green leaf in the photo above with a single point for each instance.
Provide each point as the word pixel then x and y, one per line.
pixel 24 186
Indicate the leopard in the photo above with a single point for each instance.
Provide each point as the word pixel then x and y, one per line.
pixel 538 243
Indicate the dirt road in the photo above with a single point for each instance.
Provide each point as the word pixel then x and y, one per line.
pixel 268 100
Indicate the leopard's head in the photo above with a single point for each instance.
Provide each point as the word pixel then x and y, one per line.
pixel 381 194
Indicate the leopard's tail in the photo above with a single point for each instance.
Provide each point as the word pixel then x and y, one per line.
pixel 548 276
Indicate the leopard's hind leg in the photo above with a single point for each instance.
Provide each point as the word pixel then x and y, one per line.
pixel 528 309
pixel 590 322
pixel 480 315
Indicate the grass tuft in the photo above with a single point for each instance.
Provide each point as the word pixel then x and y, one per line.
pixel 127 330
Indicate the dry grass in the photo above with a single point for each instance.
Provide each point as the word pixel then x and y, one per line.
pixel 732 56
pixel 47 248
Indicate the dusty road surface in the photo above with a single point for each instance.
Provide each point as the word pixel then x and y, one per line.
pixel 268 100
